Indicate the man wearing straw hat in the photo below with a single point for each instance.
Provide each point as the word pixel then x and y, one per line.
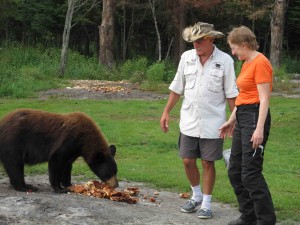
pixel 206 78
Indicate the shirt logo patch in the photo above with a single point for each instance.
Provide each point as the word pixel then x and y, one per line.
pixel 191 63
pixel 218 65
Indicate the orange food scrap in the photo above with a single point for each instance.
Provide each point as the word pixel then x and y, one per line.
pixel 101 190
pixel 184 195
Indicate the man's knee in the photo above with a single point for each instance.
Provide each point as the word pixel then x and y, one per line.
pixel 189 163
pixel 208 164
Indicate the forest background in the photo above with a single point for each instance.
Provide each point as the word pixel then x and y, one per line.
pixel 113 32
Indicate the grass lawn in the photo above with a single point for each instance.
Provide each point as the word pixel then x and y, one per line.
pixel 145 153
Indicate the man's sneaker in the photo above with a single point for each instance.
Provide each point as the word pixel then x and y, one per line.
pixel 204 213
pixel 190 206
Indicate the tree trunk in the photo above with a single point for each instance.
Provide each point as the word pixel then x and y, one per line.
pixel 152 6
pixel 124 32
pixel 277 27
pixel 179 21
pixel 182 22
pixel 7 30
pixel 107 33
pixel 66 37
pixel 169 48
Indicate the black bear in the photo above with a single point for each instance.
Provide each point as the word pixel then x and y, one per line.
pixel 30 136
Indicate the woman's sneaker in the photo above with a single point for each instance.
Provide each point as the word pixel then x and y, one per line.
pixel 190 206
pixel 204 213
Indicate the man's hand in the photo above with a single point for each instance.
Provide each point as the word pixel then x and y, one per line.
pixel 164 122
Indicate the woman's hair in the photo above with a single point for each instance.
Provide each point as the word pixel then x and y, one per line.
pixel 243 35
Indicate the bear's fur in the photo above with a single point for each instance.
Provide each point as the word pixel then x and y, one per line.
pixel 30 136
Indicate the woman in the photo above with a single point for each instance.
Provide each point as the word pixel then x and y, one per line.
pixel 250 125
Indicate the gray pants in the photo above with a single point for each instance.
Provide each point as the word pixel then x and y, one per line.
pixel 245 168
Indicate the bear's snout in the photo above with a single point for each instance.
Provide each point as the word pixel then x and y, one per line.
pixel 112 182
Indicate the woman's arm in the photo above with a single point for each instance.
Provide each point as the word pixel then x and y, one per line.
pixel 264 92
pixel 227 128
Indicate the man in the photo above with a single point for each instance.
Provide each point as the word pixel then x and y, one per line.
pixel 206 78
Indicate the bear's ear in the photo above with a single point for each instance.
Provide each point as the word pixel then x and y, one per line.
pixel 113 150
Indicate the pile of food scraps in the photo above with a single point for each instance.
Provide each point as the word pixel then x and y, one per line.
pixel 101 86
pixel 101 190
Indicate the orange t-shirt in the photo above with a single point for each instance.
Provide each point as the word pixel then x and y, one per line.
pixel 256 72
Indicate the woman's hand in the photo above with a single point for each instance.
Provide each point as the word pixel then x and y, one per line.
pixel 226 130
pixel 257 138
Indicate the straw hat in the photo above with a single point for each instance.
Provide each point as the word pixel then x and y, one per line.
pixel 200 30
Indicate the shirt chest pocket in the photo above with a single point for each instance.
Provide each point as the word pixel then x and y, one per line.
pixel 215 82
pixel 190 77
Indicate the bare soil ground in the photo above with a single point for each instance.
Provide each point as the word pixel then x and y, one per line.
pixel 102 90
pixel 46 207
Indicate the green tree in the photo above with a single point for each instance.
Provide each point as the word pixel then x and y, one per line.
pixel 7 10
pixel 293 28
pixel 36 19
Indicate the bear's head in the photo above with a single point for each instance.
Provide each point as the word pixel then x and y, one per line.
pixel 105 167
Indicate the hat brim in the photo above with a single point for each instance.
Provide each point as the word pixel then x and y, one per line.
pixel 188 37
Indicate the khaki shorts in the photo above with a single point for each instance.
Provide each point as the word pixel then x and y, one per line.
pixel 206 149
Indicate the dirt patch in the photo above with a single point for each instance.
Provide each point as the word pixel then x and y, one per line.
pixel 102 90
pixel 46 207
